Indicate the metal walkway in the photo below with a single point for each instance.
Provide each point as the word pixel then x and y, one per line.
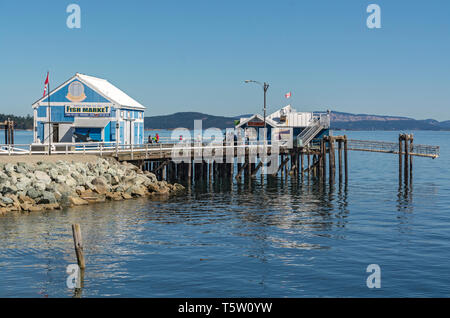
pixel 392 147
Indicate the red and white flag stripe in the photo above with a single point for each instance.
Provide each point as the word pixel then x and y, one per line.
pixel 45 86
pixel 288 95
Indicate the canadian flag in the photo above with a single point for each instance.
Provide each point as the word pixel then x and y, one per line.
pixel 288 95
pixel 45 86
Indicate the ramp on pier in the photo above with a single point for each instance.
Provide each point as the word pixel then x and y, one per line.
pixel 392 147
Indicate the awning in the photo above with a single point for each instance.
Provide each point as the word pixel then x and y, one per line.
pixel 91 122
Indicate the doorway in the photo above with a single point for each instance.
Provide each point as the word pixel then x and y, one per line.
pixel 55 133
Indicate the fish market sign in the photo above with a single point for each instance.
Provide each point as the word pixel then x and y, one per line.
pixel 87 111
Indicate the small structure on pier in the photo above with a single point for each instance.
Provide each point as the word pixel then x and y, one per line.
pixel 252 125
pixel 301 128
pixel 8 126
pixel 88 109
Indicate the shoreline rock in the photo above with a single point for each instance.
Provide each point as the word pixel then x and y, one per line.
pixel 44 186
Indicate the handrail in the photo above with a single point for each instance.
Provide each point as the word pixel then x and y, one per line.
pixel 308 134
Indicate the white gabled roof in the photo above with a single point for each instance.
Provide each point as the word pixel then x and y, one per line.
pixel 103 87
pixel 110 91
pixel 258 116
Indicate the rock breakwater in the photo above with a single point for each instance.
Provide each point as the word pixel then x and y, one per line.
pixel 31 187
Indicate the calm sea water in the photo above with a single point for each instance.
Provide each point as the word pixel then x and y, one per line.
pixel 276 238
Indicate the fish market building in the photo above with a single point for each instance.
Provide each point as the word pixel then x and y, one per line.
pixel 88 109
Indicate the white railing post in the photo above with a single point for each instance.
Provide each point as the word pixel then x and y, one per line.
pixel 101 150
pixel 9 150
pixel 84 149
pixel 30 149
pixel 131 146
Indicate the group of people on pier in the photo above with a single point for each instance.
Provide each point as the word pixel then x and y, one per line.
pixel 152 140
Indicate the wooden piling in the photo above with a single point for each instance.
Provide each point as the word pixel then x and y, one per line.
pixel 345 158
pixel 340 159
pixel 78 243
pixel 406 167
pixel 309 165
pixel 331 158
pixel 400 154
pixel 411 140
pixel 301 162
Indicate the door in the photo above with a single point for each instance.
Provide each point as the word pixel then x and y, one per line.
pixel 127 132
pixel 55 133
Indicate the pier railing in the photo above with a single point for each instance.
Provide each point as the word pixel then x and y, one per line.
pixel 392 147
pixel 111 148
pixel 105 149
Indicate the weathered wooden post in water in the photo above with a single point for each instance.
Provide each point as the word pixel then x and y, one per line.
pixel 345 158
pixel 406 174
pixel 411 140
pixel 400 153
pixel 78 242
pixel 340 159
pixel 9 131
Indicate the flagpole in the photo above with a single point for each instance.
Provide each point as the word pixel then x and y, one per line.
pixel 49 116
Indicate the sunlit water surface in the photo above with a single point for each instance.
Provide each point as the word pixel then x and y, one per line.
pixel 275 238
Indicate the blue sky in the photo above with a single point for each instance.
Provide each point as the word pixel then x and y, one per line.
pixel 194 55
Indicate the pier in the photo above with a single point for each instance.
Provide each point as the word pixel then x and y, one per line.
pixel 324 158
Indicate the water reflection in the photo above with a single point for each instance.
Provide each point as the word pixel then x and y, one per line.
pixel 307 204
pixel 405 206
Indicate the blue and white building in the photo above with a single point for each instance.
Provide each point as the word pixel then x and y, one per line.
pixel 88 109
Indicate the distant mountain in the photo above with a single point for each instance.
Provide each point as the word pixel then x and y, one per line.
pixel 350 121
pixel 339 120
pixel 186 120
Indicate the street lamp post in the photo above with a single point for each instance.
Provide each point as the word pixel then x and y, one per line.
pixel 265 87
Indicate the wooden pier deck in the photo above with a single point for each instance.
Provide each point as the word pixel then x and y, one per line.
pixel 172 161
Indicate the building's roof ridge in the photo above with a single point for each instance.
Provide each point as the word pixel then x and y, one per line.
pixel 110 91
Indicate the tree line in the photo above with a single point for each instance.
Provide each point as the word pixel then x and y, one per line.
pixel 20 122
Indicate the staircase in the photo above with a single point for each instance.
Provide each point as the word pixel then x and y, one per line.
pixel 308 134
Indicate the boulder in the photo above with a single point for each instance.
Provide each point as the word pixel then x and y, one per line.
pixel 61 179
pixel 77 201
pixel 20 169
pixel 7 200
pixel 46 198
pixel 42 177
pixel 33 193
pixel 101 189
pixel 71 182
pixel 137 190
pixel 35 208
pixel 114 196
pixel 9 168
pixel 25 199
pixel 127 196
pixel 99 181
